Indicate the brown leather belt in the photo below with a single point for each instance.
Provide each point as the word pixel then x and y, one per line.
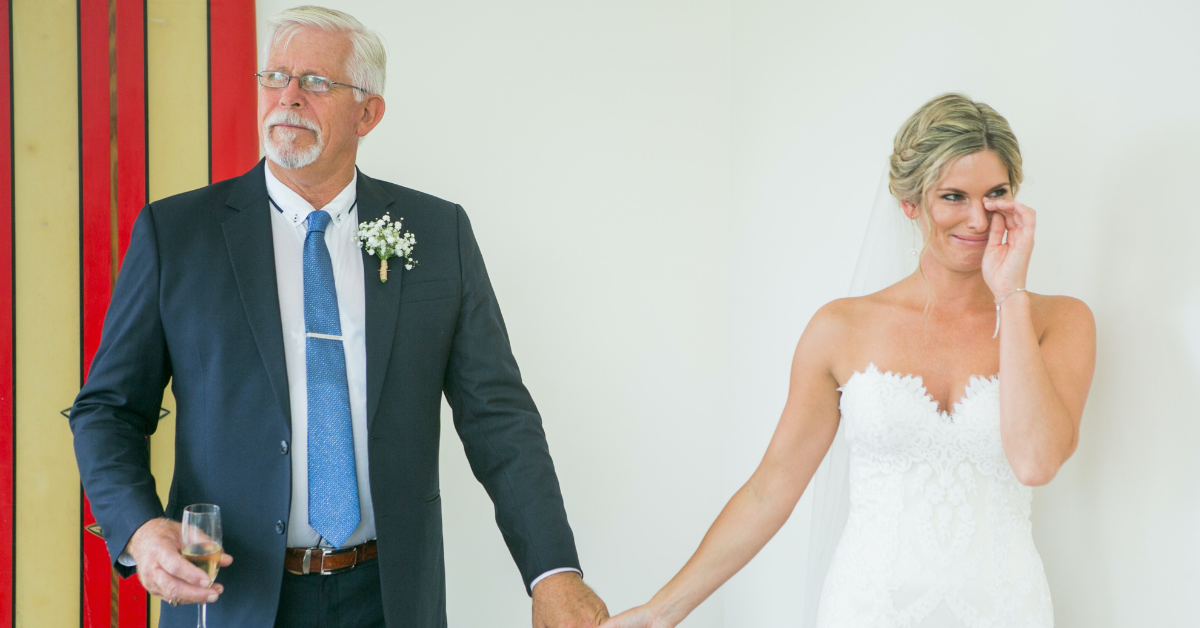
pixel 326 561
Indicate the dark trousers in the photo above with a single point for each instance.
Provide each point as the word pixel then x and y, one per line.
pixel 352 599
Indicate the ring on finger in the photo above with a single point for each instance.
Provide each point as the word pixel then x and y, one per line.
pixel 173 603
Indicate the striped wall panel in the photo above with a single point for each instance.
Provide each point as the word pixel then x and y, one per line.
pixel 104 105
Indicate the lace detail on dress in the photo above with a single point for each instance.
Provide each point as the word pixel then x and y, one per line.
pixel 938 533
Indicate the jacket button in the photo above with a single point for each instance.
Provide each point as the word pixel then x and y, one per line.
pixel 283 448
pixel 279 527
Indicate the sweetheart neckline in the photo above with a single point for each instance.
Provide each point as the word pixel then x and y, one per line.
pixel 971 391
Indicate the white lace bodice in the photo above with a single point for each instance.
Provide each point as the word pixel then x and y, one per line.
pixel 938 534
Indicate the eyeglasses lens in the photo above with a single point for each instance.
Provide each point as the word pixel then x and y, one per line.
pixel 313 83
pixel 273 79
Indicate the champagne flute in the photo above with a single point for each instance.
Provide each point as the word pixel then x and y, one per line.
pixel 202 545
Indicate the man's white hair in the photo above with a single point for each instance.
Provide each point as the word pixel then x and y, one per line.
pixel 367 65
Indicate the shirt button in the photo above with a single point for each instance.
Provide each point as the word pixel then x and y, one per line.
pixel 279 527
pixel 283 448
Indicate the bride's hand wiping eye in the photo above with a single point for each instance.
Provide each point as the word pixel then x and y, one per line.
pixel 1005 263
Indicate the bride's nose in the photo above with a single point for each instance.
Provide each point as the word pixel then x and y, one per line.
pixel 979 219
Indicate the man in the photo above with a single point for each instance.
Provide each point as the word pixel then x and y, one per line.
pixel 308 389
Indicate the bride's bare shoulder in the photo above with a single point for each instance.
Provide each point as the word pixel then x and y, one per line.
pixel 841 321
pixel 1057 313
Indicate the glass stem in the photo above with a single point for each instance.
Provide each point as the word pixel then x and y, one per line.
pixel 202 616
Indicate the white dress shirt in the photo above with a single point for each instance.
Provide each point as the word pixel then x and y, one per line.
pixel 289 226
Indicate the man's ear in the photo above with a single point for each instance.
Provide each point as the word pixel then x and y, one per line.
pixel 372 113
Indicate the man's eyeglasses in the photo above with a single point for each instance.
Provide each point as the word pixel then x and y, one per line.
pixel 308 82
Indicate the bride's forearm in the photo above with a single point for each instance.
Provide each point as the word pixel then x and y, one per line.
pixel 1035 426
pixel 753 515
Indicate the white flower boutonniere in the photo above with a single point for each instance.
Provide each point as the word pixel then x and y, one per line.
pixel 383 239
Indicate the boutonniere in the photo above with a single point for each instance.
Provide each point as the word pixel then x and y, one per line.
pixel 383 239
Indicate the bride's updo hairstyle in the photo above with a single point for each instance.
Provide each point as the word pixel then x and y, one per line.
pixel 942 130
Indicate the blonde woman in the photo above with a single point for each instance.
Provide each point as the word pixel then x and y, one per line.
pixel 957 390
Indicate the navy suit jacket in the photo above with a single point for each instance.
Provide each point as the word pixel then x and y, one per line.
pixel 196 305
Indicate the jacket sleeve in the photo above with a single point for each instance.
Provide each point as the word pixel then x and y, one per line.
pixel 118 407
pixel 500 427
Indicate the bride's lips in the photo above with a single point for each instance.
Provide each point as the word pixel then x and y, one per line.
pixel 979 241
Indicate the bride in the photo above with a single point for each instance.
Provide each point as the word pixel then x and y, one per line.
pixel 956 390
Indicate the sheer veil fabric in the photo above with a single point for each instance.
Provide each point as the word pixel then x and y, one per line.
pixel 889 253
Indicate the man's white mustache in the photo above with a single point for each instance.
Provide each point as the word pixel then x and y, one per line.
pixel 291 119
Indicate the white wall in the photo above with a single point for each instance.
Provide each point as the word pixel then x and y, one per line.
pixel 666 191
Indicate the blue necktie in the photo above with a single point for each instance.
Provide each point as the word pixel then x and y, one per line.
pixel 332 482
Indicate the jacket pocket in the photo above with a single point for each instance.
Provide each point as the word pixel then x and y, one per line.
pixel 428 290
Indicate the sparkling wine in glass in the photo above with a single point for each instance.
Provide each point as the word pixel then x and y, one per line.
pixel 202 545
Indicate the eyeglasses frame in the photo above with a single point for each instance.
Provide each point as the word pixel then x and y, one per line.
pixel 290 77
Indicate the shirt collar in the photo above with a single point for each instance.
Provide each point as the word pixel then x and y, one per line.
pixel 296 210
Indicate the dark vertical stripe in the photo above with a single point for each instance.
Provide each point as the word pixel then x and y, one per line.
pixel 208 75
pixel 146 163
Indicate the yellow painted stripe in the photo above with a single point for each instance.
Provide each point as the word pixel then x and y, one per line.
pixel 46 231
pixel 177 60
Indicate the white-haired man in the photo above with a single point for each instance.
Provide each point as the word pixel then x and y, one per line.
pixel 309 388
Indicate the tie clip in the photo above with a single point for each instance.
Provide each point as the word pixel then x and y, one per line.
pixel 322 336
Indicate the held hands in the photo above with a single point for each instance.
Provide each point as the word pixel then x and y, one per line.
pixel 638 617
pixel 157 547
pixel 564 601
pixel 1005 264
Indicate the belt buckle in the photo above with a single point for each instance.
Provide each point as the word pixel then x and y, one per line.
pixel 327 553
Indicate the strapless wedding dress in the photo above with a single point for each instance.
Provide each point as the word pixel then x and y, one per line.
pixel 938 534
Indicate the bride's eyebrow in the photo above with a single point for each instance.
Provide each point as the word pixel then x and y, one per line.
pixel 958 191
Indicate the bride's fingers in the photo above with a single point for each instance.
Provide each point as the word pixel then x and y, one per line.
pixel 1006 209
pixel 1026 215
pixel 1023 215
pixel 996 231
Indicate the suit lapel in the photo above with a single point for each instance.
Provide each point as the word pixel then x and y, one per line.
pixel 252 253
pixel 382 299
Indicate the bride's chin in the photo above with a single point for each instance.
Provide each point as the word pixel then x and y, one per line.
pixel 960 262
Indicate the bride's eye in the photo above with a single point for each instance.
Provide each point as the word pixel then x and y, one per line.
pixel 952 198
pixel 999 193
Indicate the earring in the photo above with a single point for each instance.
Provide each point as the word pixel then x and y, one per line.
pixel 912 255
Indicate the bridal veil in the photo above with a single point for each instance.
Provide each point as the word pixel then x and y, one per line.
pixel 889 253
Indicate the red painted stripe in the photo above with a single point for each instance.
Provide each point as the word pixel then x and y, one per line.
pixel 131 117
pixel 131 196
pixel 96 165
pixel 97 576
pixel 96 136
pixel 6 319
pixel 97 170
pixel 233 97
